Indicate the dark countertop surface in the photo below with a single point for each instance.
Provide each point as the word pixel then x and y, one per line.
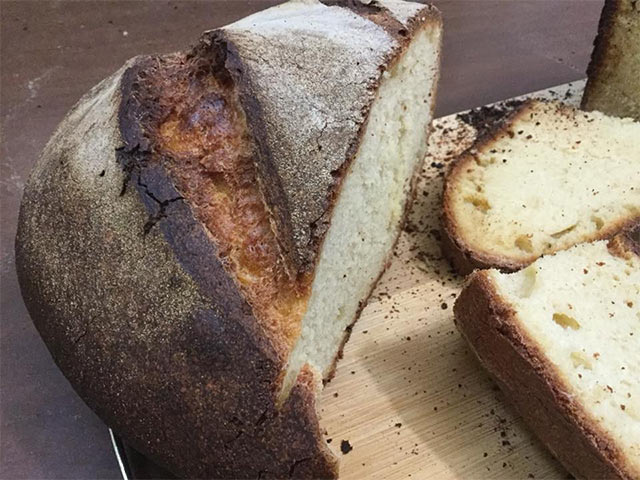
pixel 54 51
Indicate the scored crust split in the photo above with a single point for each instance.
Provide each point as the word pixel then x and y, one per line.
pixel 565 355
pixel 204 227
pixel 545 177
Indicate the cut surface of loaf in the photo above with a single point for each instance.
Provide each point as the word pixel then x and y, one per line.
pixel 545 179
pixel 231 208
pixel 613 84
pixel 562 337
pixel 370 206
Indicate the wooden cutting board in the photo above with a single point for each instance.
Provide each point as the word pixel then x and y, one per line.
pixel 409 400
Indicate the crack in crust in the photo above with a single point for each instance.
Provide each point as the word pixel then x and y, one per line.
pixel 194 128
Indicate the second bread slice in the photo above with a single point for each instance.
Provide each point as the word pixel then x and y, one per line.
pixel 562 339
pixel 548 177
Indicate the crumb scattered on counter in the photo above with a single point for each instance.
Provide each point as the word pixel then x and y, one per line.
pixel 345 447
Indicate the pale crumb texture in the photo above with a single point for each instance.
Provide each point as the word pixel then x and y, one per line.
pixel 614 78
pixel 554 177
pixel 368 214
pixel 581 309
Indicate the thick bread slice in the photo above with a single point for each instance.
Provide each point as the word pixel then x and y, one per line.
pixel 562 338
pixel 204 226
pixel 613 86
pixel 546 178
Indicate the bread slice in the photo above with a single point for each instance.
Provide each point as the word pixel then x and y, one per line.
pixel 546 178
pixel 613 86
pixel 204 227
pixel 562 339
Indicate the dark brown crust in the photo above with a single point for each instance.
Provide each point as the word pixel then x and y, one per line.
pixel 600 49
pixel 625 245
pixel 465 258
pixel 372 12
pixel 163 87
pixel 382 16
pixel 531 384
pixel 184 233
pixel 272 430
pixel 180 370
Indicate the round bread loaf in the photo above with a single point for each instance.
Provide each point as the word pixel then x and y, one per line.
pixel 204 227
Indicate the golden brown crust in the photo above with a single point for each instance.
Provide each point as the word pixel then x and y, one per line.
pixel 531 383
pixel 465 258
pixel 194 128
pixel 625 245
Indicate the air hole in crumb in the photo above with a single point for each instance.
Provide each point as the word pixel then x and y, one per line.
pixel 579 359
pixel 479 202
pixel 529 281
pixel 565 321
pixel 484 161
pixel 523 242
pixel 598 221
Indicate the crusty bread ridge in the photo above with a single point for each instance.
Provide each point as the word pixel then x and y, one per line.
pixel 612 85
pixel 525 188
pixel 498 331
pixel 174 261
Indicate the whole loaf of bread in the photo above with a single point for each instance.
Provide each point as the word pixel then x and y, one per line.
pixel 204 227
